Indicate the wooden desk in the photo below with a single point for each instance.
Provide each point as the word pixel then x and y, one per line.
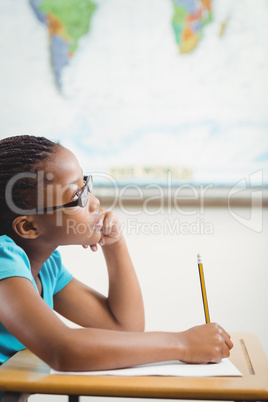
pixel 25 373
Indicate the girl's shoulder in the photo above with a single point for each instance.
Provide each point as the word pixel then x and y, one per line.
pixel 6 241
pixel 10 250
pixel 13 259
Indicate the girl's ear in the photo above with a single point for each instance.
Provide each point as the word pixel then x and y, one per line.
pixel 25 227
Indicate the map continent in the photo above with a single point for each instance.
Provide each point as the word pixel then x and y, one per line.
pixel 67 21
pixel 189 19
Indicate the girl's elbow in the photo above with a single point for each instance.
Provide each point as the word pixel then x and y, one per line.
pixel 140 327
pixel 133 327
pixel 63 361
pixel 62 356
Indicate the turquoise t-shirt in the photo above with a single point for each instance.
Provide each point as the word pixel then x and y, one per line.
pixel 14 262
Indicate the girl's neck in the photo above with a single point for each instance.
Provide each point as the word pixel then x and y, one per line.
pixel 37 259
pixel 36 253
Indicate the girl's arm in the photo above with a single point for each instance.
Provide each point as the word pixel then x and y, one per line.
pixel 124 297
pixel 32 322
pixel 123 308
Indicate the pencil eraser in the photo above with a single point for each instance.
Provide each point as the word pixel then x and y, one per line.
pixel 199 258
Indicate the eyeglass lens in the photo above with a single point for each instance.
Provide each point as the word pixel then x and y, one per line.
pixel 87 189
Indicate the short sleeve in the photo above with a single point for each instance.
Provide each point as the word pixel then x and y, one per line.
pixel 63 279
pixel 14 262
pixel 55 273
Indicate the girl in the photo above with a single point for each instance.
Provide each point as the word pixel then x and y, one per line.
pixel 42 191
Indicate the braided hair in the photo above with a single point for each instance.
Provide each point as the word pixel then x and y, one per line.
pixel 18 155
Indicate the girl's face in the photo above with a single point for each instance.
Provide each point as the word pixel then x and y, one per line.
pixel 72 225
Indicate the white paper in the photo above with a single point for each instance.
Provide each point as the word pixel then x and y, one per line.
pixel 169 368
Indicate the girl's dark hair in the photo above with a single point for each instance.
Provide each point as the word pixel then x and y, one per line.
pixel 21 154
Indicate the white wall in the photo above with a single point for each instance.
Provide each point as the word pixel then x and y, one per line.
pixel 235 263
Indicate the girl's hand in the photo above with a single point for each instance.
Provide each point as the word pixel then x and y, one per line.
pixel 208 343
pixel 110 230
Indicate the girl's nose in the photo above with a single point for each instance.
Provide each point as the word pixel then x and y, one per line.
pixel 94 202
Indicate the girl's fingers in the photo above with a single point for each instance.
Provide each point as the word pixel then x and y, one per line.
pixel 102 242
pixel 107 228
pixel 94 247
pixel 229 343
pixel 226 336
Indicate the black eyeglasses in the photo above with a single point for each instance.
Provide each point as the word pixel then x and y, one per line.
pixel 81 201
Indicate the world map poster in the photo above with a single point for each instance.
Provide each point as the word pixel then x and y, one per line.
pixel 138 89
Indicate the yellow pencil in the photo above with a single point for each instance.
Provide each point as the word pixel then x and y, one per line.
pixel 203 287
